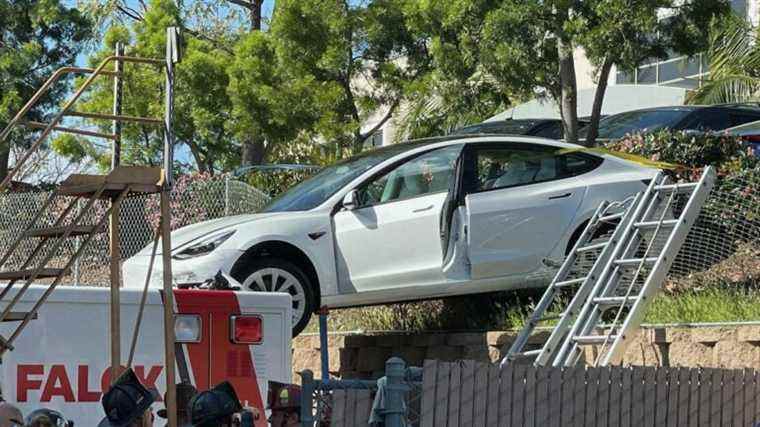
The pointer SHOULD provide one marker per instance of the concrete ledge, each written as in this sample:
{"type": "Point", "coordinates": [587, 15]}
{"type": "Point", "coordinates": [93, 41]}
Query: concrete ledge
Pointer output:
{"type": "Point", "coordinates": [363, 355]}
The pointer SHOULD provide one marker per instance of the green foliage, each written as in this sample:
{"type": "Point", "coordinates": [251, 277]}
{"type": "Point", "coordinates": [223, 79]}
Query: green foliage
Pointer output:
{"type": "Point", "coordinates": [734, 64]}
{"type": "Point", "coordinates": [36, 37]}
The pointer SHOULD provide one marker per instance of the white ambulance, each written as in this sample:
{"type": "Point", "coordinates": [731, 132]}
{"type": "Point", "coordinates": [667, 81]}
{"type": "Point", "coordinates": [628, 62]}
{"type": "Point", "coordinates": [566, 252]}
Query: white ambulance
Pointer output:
{"type": "Point", "coordinates": [61, 359]}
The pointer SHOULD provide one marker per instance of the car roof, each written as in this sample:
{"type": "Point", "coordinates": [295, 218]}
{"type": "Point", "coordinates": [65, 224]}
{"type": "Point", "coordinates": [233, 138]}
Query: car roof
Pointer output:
{"type": "Point", "coordinates": [491, 137]}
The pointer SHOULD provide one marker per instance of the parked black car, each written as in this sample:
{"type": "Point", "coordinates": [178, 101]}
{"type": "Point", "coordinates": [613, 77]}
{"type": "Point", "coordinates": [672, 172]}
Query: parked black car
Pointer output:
{"type": "Point", "coordinates": [693, 117]}
{"type": "Point", "coordinates": [544, 128]}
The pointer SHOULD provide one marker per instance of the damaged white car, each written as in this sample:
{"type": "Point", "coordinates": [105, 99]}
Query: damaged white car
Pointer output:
{"type": "Point", "coordinates": [423, 219]}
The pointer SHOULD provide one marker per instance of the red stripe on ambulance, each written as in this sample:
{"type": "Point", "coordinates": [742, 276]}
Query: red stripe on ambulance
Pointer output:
{"type": "Point", "coordinates": [228, 361]}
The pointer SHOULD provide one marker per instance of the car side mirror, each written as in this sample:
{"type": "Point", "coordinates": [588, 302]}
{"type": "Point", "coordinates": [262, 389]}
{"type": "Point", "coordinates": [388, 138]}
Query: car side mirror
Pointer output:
{"type": "Point", "coordinates": [351, 200]}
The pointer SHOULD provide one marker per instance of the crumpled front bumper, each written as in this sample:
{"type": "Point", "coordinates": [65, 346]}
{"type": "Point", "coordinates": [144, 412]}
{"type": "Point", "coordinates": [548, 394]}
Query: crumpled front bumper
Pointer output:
{"type": "Point", "coordinates": [188, 271]}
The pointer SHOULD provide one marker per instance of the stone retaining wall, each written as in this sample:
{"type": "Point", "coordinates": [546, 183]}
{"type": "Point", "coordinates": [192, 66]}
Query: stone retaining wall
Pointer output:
{"type": "Point", "coordinates": [363, 355]}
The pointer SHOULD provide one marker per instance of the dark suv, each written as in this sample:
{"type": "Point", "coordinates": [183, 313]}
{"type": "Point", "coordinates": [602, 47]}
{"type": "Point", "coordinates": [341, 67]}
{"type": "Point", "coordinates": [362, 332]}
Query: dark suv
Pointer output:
{"type": "Point", "coordinates": [544, 128]}
{"type": "Point", "coordinates": [691, 117]}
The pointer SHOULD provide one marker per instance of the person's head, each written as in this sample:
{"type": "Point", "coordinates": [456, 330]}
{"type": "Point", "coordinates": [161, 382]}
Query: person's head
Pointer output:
{"type": "Point", "coordinates": [127, 402]}
{"type": "Point", "coordinates": [185, 393]}
{"type": "Point", "coordinates": [10, 416]}
{"type": "Point", "coordinates": [46, 418]}
{"type": "Point", "coordinates": [215, 407]}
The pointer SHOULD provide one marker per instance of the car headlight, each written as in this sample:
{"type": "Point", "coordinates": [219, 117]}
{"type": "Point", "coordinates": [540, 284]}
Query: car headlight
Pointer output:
{"type": "Point", "coordinates": [204, 246]}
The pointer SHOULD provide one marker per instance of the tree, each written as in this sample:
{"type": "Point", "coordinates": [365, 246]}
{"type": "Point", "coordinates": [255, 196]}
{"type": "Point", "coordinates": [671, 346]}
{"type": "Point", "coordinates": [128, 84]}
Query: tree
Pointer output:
{"type": "Point", "coordinates": [36, 38]}
{"type": "Point", "coordinates": [359, 57]}
{"type": "Point", "coordinates": [526, 47]}
{"type": "Point", "coordinates": [202, 107]}
{"type": "Point", "coordinates": [734, 64]}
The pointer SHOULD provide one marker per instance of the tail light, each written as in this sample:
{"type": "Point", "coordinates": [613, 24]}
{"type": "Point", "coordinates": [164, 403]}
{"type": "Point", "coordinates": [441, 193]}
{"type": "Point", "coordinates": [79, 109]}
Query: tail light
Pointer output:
{"type": "Point", "coordinates": [187, 328]}
{"type": "Point", "coordinates": [246, 329]}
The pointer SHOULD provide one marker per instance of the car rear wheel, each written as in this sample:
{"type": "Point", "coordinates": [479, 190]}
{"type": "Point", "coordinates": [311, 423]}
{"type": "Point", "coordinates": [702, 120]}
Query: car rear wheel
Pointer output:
{"type": "Point", "coordinates": [277, 275]}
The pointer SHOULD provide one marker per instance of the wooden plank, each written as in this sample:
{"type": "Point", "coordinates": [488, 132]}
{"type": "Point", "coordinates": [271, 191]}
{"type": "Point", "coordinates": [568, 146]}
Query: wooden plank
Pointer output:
{"type": "Point", "coordinates": [726, 394]}
{"type": "Point", "coordinates": [468, 391]}
{"type": "Point", "coordinates": [661, 399]}
{"type": "Point", "coordinates": [442, 393]}
{"type": "Point", "coordinates": [518, 395]}
{"type": "Point", "coordinates": [684, 396]}
{"type": "Point", "coordinates": [542, 395]}
{"type": "Point", "coordinates": [338, 413]}
{"type": "Point", "coordinates": [603, 397]}
{"type": "Point", "coordinates": [554, 418]}
{"type": "Point", "coordinates": [350, 415]}
{"type": "Point", "coordinates": [626, 396]}
{"type": "Point", "coordinates": [493, 395]}
{"type": "Point", "coordinates": [580, 389]}
{"type": "Point", "coordinates": [637, 396]}
{"type": "Point", "coordinates": [750, 393]}
{"type": "Point", "coordinates": [429, 378]}
{"type": "Point", "coordinates": [568, 395]}
{"type": "Point", "coordinates": [592, 395]}
{"type": "Point", "coordinates": [650, 396]}
{"type": "Point", "coordinates": [695, 384]}
{"type": "Point", "coordinates": [676, 392]}
{"type": "Point", "coordinates": [530, 397]}
{"type": "Point", "coordinates": [716, 397]}
{"type": "Point", "coordinates": [705, 384]}
{"type": "Point", "coordinates": [480, 405]}
{"type": "Point", "coordinates": [613, 409]}
{"type": "Point", "coordinates": [505, 391]}
{"type": "Point", "coordinates": [737, 400]}
{"type": "Point", "coordinates": [363, 407]}
{"type": "Point", "coordinates": [455, 393]}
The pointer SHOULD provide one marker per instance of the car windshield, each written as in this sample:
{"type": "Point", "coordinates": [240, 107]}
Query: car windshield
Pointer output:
{"type": "Point", "coordinates": [315, 190]}
{"type": "Point", "coordinates": [620, 125]}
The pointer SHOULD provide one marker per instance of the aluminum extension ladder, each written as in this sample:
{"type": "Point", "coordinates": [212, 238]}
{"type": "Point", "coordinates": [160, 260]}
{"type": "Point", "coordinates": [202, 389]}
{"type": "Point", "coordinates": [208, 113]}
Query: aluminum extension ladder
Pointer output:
{"type": "Point", "coordinates": [612, 297]}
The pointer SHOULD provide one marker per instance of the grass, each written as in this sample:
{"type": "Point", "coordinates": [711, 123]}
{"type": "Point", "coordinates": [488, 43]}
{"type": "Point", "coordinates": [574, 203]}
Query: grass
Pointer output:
{"type": "Point", "coordinates": [708, 305]}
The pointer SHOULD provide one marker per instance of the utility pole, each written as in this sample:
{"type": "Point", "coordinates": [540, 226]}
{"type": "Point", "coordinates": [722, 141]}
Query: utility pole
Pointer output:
{"type": "Point", "coordinates": [114, 238]}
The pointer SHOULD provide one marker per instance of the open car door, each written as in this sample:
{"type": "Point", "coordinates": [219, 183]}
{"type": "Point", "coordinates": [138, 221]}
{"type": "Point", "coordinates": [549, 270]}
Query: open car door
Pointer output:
{"type": "Point", "coordinates": [453, 227]}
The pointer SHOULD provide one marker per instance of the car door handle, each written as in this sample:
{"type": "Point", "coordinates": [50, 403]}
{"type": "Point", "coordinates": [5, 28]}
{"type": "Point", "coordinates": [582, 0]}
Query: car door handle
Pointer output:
{"type": "Point", "coordinates": [426, 208]}
{"type": "Point", "coordinates": [560, 196]}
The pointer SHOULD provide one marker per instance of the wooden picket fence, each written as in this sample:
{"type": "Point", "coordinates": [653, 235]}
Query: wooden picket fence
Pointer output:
{"type": "Point", "coordinates": [469, 393]}
{"type": "Point", "coordinates": [350, 407]}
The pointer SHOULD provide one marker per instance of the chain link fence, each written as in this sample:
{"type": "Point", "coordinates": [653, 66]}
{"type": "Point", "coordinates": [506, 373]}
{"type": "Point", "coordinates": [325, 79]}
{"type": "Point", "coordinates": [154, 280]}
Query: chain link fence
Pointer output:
{"type": "Point", "coordinates": [725, 239]}
{"type": "Point", "coordinates": [193, 199]}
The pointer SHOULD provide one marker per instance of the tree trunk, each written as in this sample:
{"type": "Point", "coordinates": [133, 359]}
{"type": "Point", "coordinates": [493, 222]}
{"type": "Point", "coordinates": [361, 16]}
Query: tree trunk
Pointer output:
{"type": "Point", "coordinates": [596, 109]}
{"type": "Point", "coordinates": [569, 99]}
{"type": "Point", "coordinates": [253, 150]}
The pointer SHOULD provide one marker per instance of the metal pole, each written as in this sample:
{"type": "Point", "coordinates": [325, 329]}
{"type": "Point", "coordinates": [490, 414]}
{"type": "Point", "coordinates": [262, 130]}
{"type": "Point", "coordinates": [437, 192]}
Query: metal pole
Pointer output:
{"type": "Point", "coordinates": [307, 396]}
{"type": "Point", "coordinates": [169, 338]}
{"type": "Point", "coordinates": [226, 195]}
{"type": "Point", "coordinates": [394, 392]}
{"type": "Point", "coordinates": [118, 86]}
{"type": "Point", "coordinates": [323, 349]}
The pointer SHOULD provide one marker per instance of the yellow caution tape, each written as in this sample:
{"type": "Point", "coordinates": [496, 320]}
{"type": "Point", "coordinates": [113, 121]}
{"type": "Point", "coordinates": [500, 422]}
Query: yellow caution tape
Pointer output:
{"type": "Point", "coordinates": [627, 156]}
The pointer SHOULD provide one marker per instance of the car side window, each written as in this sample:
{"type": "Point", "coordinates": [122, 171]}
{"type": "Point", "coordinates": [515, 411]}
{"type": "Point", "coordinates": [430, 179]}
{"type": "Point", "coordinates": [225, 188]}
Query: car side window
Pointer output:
{"type": "Point", "coordinates": [709, 119]}
{"type": "Point", "coordinates": [511, 166]}
{"type": "Point", "coordinates": [428, 173]}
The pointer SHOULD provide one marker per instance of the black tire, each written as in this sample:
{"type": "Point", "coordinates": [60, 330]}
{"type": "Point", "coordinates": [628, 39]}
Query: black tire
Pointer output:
{"type": "Point", "coordinates": [284, 272]}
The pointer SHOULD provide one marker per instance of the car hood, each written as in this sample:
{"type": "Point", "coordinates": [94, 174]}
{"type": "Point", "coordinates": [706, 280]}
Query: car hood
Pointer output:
{"type": "Point", "coordinates": [189, 233]}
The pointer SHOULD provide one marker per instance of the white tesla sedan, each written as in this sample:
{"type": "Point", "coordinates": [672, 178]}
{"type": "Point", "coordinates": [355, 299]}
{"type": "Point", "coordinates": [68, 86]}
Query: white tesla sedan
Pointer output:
{"type": "Point", "coordinates": [423, 219]}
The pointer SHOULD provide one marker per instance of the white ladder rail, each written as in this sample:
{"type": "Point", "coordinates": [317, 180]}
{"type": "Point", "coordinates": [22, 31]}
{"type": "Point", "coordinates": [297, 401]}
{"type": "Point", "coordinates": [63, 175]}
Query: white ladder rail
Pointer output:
{"type": "Point", "coordinates": [655, 279]}
{"type": "Point", "coordinates": [609, 274]}
{"type": "Point", "coordinates": [576, 303]}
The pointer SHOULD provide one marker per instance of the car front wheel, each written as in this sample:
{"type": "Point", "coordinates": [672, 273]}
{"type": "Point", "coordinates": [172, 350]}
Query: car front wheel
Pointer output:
{"type": "Point", "coordinates": [278, 275]}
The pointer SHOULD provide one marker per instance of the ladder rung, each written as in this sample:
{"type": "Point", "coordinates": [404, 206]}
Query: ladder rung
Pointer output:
{"type": "Point", "coordinates": [613, 301]}
{"type": "Point", "coordinates": [567, 283]}
{"type": "Point", "coordinates": [79, 230]}
{"type": "Point", "coordinates": [44, 273]}
{"type": "Point", "coordinates": [529, 353]}
{"type": "Point", "coordinates": [628, 262]}
{"type": "Point", "coordinates": [595, 246]}
{"type": "Point", "coordinates": [653, 224]}
{"type": "Point", "coordinates": [676, 187]}
{"type": "Point", "coordinates": [17, 316]}
{"type": "Point", "coordinates": [594, 339]}
{"type": "Point", "coordinates": [611, 217]}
